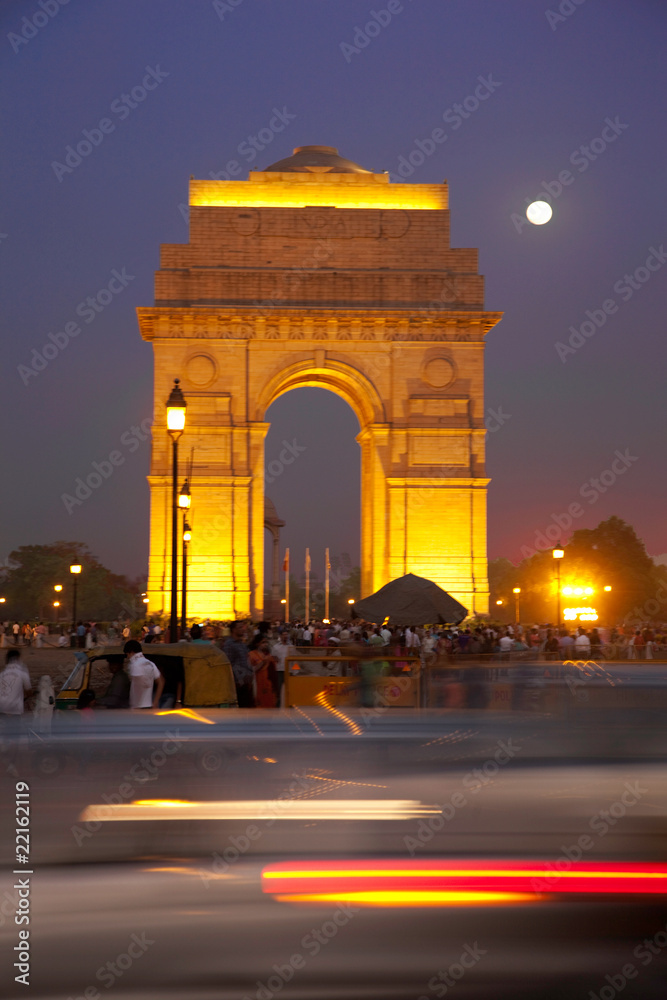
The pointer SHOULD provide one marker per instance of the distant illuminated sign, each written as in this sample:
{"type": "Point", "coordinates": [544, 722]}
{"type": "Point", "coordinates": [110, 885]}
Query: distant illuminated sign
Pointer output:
{"type": "Point", "coordinates": [580, 614]}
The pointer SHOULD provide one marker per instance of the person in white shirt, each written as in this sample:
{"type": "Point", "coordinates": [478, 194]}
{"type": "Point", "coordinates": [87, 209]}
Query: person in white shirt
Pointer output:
{"type": "Point", "coordinates": [386, 635]}
{"type": "Point", "coordinates": [14, 684]}
{"type": "Point", "coordinates": [143, 674]}
{"type": "Point", "coordinates": [582, 643]}
{"type": "Point", "coordinates": [45, 701]}
{"type": "Point", "coordinates": [412, 640]}
{"type": "Point", "coordinates": [281, 650]}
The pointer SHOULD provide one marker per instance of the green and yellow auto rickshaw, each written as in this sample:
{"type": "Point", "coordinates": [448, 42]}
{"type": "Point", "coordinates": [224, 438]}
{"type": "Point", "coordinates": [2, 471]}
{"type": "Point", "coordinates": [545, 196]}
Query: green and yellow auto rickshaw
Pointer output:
{"type": "Point", "coordinates": [207, 673]}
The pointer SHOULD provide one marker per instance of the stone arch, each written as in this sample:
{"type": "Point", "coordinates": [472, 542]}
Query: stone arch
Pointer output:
{"type": "Point", "coordinates": [344, 380]}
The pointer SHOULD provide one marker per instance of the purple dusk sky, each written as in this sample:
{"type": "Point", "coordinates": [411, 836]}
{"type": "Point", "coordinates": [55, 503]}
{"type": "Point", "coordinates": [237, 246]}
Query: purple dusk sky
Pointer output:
{"type": "Point", "coordinates": [579, 92]}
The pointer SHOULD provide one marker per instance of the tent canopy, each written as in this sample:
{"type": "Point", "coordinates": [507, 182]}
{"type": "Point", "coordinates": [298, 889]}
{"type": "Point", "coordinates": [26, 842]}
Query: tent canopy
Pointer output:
{"type": "Point", "coordinates": [410, 600]}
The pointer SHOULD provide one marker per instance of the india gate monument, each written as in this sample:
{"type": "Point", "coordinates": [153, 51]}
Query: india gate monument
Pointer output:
{"type": "Point", "coordinates": [318, 272]}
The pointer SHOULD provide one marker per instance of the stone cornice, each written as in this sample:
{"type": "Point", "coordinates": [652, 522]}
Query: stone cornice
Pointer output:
{"type": "Point", "coordinates": [323, 324]}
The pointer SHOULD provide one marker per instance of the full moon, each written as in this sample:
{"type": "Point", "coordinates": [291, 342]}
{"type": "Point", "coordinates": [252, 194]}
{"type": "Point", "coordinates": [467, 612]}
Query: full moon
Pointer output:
{"type": "Point", "coordinates": [539, 212]}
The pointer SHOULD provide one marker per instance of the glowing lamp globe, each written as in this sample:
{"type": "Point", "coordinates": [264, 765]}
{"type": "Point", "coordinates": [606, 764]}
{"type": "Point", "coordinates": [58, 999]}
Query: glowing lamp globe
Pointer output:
{"type": "Point", "coordinates": [539, 212]}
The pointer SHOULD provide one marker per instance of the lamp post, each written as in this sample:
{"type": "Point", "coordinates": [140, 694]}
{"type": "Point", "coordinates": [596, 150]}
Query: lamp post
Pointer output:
{"type": "Point", "coordinates": [558, 554]}
{"type": "Point", "coordinates": [187, 535]}
{"type": "Point", "coordinates": [74, 570]}
{"type": "Point", "coordinates": [517, 592]}
{"type": "Point", "coordinates": [184, 501]}
{"type": "Point", "coordinates": [175, 426]}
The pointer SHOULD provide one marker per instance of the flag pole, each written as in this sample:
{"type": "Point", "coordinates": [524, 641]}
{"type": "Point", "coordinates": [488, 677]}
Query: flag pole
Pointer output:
{"type": "Point", "coordinates": [327, 567]}
{"type": "Point", "coordinates": [307, 586]}
{"type": "Point", "coordinates": [286, 568]}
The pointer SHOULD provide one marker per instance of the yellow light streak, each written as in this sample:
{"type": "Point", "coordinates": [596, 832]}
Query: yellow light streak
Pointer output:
{"type": "Point", "coordinates": [415, 898]}
{"type": "Point", "coordinates": [259, 809]}
{"type": "Point", "coordinates": [343, 781]}
{"type": "Point", "coordinates": [350, 723]}
{"type": "Point", "coordinates": [187, 713]}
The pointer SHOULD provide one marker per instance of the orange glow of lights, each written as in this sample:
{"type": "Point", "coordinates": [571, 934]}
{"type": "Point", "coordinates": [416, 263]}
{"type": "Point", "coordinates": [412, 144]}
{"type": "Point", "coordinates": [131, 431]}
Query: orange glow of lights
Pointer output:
{"type": "Point", "coordinates": [398, 898]}
{"type": "Point", "coordinates": [301, 191]}
{"type": "Point", "coordinates": [461, 876]}
{"type": "Point", "coordinates": [188, 713]}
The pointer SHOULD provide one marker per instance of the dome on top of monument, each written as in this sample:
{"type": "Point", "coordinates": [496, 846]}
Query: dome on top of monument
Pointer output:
{"type": "Point", "coordinates": [316, 160]}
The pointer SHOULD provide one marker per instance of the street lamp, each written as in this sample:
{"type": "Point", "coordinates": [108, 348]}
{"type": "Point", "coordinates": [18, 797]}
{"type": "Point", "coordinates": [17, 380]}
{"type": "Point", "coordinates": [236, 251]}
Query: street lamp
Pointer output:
{"type": "Point", "coordinates": [558, 554]}
{"type": "Point", "coordinates": [175, 425]}
{"type": "Point", "coordinates": [184, 502]}
{"type": "Point", "coordinates": [607, 589]}
{"type": "Point", "coordinates": [74, 570]}
{"type": "Point", "coordinates": [350, 600]}
{"type": "Point", "coordinates": [516, 591]}
{"type": "Point", "coordinates": [58, 587]}
{"type": "Point", "coordinates": [499, 602]}
{"type": "Point", "coordinates": [187, 535]}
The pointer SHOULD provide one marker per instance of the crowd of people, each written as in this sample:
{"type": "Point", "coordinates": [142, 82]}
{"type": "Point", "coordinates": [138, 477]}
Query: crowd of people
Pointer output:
{"type": "Point", "coordinates": [258, 653]}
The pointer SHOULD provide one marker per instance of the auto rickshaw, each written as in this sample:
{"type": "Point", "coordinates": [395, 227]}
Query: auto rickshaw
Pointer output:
{"type": "Point", "coordinates": [208, 677]}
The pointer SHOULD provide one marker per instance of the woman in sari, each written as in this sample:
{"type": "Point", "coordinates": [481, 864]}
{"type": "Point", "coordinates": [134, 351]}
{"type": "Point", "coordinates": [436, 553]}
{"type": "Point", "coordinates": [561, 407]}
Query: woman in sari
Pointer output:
{"type": "Point", "coordinates": [264, 665]}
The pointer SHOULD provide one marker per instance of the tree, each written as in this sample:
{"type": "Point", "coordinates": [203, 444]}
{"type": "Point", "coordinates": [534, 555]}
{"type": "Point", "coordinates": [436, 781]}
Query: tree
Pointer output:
{"type": "Point", "coordinates": [609, 555]}
{"type": "Point", "coordinates": [33, 571]}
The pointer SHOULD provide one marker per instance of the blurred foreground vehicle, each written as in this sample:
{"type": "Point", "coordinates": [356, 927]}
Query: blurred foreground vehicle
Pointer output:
{"type": "Point", "coordinates": [342, 852]}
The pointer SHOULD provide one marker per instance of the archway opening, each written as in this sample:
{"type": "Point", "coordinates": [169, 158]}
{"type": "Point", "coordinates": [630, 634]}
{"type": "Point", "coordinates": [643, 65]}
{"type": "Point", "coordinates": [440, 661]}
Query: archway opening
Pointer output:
{"type": "Point", "coordinates": [313, 476]}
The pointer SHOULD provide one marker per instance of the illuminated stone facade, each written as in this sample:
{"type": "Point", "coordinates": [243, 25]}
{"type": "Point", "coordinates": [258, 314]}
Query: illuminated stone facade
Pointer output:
{"type": "Point", "coordinates": [318, 273]}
